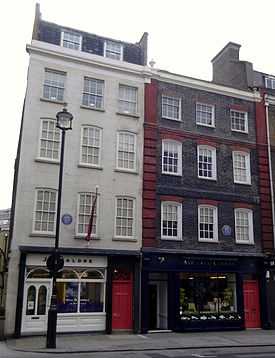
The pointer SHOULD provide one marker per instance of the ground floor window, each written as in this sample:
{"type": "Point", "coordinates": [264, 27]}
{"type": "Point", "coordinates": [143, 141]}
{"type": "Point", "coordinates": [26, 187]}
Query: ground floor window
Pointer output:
{"type": "Point", "coordinates": [207, 294]}
{"type": "Point", "coordinates": [81, 291]}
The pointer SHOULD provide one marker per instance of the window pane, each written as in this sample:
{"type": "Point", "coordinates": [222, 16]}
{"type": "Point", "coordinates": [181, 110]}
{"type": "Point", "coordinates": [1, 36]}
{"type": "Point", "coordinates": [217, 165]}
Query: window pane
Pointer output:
{"type": "Point", "coordinates": [45, 211]}
{"type": "Point", "coordinates": [127, 99]}
{"type": "Point", "coordinates": [238, 121]}
{"type": "Point", "coordinates": [49, 140]}
{"type": "Point", "coordinates": [67, 296]}
{"type": "Point", "coordinates": [209, 294]}
{"type": "Point", "coordinates": [42, 300]}
{"type": "Point", "coordinates": [171, 107]}
{"type": "Point", "coordinates": [204, 114]}
{"type": "Point", "coordinates": [126, 151]}
{"type": "Point", "coordinates": [86, 201]}
{"type": "Point", "coordinates": [124, 217]}
{"type": "Point", "coordinates": [54, 84]}
{"type": "Point", "coordinates": [91, 297]}
{"type": "Point", "coordinates": [31, 296]}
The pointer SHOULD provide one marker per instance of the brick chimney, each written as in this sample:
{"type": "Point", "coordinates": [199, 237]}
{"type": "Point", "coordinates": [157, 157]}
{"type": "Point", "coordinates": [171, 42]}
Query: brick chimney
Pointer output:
{"type": "Point", "coordinates": [228, 70]}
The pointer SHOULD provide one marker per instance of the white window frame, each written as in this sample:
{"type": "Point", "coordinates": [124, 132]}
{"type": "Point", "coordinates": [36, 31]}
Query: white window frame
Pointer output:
{"type": "Point", "coordinates": [212, 125]}
{"type": "Point", "coordinates": [80, 234]}
{"type": "Point", "coordinates": [214, 162]}
{"type": "Point", "coordinates": [272, 82]}
{"type": "Point", "coordinates": [50, 159]}
{"type": "Point", "coordinates": [179, 152]}
{"type": "Point", "coordinates": [121, 237]}
{"type": "Point", "coordinates": [74, 34]}
{"type": "Point", "coordinates": [100, 147]}
{"type": "Point", "coordinates": [249, 212]}
{"type": "Point", "coordinates": [124, 100]}
{"type": "Point", "coordinates": [247, 167]}
{"type": "Point", "coordinates": [35, 210]}
{"type": "Point", "coordinates": [245, 121]}
{"type": "Point", "coordinates": [135, 151]}
{"type": "Point", "coordinates": [179, 221]}
{"type": "Point", "coordinates": [62, 88]}
{"type": "Point", "coordinates": [93, 94]}
{"type": "Point", "coordinates": [106, 50]}
{"type": "Point", "coordinates": [179, 108]}
{"type": "Point", "coordinates": [215, 223]}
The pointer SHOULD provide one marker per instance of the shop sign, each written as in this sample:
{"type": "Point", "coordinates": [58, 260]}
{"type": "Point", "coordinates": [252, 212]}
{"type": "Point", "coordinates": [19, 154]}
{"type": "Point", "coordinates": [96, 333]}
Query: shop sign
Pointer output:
{"type": "Point", "coordinates": [226, 230]}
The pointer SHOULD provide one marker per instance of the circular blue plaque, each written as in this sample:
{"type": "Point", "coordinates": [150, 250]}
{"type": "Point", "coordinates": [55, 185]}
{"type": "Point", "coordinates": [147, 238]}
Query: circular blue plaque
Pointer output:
{"type": "Point", "coordinates": [226, 230]}
{"type": "Point", "coordinates": [67, 219]}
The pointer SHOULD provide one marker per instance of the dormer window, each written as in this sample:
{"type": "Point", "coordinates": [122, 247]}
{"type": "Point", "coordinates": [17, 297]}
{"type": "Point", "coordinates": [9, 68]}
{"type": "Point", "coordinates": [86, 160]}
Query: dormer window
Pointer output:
{"type": "Point", "coordinates": [71, 40]}
{"type": "Point", "coordinates": [113, 50]}
{"type": "Point", "coordinates": [270, 82]}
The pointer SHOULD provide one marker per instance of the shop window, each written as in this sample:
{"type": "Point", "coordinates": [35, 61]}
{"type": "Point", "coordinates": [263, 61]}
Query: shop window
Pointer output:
{"type": "Point", "coordinates": [67, 293]}
{"type": "Point", "coordinates": [79, 292]}
{"type": "Point", "coordinates": [91, 297]}
{"type": "Point", "coordinates": [207, 296]}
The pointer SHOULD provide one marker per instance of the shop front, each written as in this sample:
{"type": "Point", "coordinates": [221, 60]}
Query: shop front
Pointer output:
{"type": "Point", "coordinates": [80, 294]}
{"type": "Point", "coordinates": [192, 292]}
{"type": "Point", "coordinates": [97, 292]}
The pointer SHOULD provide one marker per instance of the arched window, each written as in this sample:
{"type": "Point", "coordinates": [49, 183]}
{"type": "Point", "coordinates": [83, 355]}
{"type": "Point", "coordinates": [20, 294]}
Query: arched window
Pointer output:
{"type": "Point", "coordinates": [42, 300]}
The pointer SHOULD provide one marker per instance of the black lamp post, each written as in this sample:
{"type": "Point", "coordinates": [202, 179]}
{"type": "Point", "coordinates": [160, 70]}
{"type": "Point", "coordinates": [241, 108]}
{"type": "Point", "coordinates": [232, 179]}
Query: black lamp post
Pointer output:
{"type": "Point", "coordinates": [55, 261]}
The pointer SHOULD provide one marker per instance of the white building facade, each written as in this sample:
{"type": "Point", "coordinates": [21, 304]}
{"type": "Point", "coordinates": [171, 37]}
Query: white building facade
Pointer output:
{"type": "Point", "coordinates": [98, 289]}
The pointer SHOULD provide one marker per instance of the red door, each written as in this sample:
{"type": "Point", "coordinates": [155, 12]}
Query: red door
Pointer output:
{"type": "Point", "coordinates": [251, 304]}
{"type": "Point", "coordinates": [122, 291]}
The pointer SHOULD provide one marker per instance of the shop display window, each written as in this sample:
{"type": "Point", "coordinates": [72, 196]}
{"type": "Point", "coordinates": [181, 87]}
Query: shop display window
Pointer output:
{"type": "Point", "coordinates": [81, 291]}
{"type": "Point", "coordinates": [207, 295]}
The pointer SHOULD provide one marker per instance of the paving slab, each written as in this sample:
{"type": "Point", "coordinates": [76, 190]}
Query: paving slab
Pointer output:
{"type": "Point", "coordinates": [81, 343]}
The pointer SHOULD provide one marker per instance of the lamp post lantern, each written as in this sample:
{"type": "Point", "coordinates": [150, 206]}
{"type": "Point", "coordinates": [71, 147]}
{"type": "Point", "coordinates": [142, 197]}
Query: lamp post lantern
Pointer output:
{"type": "Point", "coordinates": [55, 261]}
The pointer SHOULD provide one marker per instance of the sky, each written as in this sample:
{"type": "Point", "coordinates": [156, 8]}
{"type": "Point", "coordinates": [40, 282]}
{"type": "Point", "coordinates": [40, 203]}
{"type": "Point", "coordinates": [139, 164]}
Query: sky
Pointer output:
{"type": "Point", "coordinates": [184, 35]}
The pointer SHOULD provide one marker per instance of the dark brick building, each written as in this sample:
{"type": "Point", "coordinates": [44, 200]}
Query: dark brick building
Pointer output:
{"type": "Point", "coordinates": [203, 263]}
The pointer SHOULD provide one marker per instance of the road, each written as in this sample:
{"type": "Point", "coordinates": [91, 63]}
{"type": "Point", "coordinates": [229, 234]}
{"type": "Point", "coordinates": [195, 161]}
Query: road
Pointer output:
{"type": "Point", "coordinates": [258, 352]}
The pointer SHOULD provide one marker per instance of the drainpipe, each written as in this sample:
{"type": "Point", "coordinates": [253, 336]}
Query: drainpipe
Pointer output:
{"type": "Point", "coordinates": [266, 103]}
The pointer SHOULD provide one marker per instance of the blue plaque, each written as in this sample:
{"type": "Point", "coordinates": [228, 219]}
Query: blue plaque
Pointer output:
{"type": "Point", "coordinates": [226, 230]}
{"type": "Point", "coordinates": [67, 219]}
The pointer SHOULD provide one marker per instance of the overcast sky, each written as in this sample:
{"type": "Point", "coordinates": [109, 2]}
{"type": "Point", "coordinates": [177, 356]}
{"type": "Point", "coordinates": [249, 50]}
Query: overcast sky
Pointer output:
{"type": "Point", "coordinates": [183, 37]}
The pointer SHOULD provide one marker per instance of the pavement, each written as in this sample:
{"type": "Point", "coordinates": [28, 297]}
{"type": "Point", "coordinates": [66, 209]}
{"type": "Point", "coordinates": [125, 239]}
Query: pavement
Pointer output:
{"type": "Point", "coordinates": [118, 342]}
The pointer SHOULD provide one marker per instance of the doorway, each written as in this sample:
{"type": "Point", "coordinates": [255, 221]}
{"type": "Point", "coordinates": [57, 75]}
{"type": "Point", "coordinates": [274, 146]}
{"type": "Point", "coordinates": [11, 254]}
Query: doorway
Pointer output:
{"type": "Point", "coordinates": [251, 304]}
{"type": "Point", "coordinates": [158, 305]}
{"type": "Point", "coordinates": [35, 306]}
{"type": "Point", "coordinates": [122, 293]}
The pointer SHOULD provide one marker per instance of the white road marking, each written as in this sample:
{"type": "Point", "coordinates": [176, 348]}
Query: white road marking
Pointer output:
{"type": "Point", "coordinates": [203, 356]}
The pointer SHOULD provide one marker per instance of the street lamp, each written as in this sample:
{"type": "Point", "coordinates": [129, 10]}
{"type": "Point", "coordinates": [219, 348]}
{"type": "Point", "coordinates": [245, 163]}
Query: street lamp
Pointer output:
{"type": "Point", "coordinates": [55, 261]}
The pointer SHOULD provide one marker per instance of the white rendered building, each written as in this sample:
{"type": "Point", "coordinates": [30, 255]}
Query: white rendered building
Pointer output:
{"type": "Point", "coordinates": [102, 82]}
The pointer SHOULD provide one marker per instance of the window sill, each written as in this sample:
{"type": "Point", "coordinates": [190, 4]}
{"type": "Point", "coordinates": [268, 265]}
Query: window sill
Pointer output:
{"type": "Point", "coordinates": [133, 115]}
{"type": "Point", "coordinates": [126, 171]}
{"type": "Point", "coordinates": [237, 131]}
{"type": "Point", "coordinates": [242, 183]}
{"type": "Point", "coordinates": [245, 242]}
{"type": "Point", "coordinates": [88, 166]}
{"type": "Point", "coordinates": [127, 239]}
{"type": "Point", "coordinates": [47, 161]}
{"type": "Point", "coordinates": [213, 241]}
{"type": "Point", "coordinates": [205, 125]}
{"type": "Point", "coordinates": [172, 119]}
{"type": "Point", "coordinates": [204, 178]}
{"type": "Point", "coordinates": [171, 238]}
{"type": "Point", "coordinates": [52, 101]}
{"type": "Point", "coordinates": [92, 108]}
{"type": "Point", "coordinates": [40, 234]}
{"type": "Point", "coordinates": [172, 174]}
{"type": "Point", "coordinates": [83, 237]}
